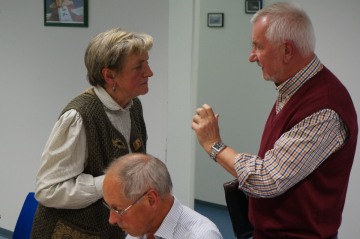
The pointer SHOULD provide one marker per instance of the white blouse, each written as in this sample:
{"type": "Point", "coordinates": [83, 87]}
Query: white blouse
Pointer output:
{"type": "Point", "coordinates": [60, 182]}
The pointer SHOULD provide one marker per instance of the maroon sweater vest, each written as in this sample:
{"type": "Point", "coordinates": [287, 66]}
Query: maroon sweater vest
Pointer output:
{"type": "Point", "coordinates": [312, 208]}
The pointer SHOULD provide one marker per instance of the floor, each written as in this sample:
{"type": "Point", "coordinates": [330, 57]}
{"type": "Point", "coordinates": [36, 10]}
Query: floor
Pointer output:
{"type": "Point", "coordinates": [218, 215]}
{"type": "Point", "coordinates": [5, 234]}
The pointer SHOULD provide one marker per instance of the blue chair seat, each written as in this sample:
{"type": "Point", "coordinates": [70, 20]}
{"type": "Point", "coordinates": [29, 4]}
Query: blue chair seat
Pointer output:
{"type": "Point", "coordinates": [25, 220]}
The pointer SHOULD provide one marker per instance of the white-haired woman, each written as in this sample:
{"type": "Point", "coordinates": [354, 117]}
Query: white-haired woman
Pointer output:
{"type": "Point", "coordinates": [102, 123]}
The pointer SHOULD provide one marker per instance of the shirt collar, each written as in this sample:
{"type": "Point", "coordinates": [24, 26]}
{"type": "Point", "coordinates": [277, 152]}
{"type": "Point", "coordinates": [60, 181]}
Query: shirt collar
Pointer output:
{"type": "Point", "coordinates": [109, 102]}
{"type": "Point", "coordinates": [290, 86]}
{"type": "Point", "coordinates": [167, 228]}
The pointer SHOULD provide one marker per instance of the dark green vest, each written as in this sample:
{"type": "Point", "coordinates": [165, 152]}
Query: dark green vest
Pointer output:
{"type": "Point", "coordinates": [104, 144]}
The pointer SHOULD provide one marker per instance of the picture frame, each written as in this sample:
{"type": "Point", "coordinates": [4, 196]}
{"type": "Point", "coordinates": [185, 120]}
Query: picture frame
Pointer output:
{"type": "Point", "coordinates": [252, 6]}
{"type": "Point", "coordinates": [66, 13]}
{"type": "Point", "coordinates": [215, 20]}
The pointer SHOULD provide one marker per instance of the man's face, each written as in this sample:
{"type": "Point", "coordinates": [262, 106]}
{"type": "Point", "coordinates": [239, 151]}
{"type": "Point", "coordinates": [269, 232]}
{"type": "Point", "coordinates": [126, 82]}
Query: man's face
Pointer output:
{"type": "Point", "coordinates": [265, 54]}
{"type": "Point", "coordinates": [136, 220]}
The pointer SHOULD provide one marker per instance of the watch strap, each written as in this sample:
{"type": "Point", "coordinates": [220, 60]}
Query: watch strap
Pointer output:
{"type": "Point", "coordinates": [215, 149]}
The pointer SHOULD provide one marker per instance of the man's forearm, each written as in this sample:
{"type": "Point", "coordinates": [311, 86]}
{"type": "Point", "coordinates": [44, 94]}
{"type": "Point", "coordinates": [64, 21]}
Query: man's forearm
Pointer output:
{"type": "Point", "coordinates": [226, 159]}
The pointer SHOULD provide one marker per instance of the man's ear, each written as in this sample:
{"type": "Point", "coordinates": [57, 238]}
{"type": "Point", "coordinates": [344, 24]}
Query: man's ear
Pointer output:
{"type": "Point", "coordinates": [153, 198]}
{"type": "Point", "coordinates": [109, 76]}
{"type": "Point", "coordinates": [289, 51]}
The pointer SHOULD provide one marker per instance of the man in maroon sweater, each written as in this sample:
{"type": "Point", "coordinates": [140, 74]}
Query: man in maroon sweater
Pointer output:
{"type": "Point", "coordinates": [298, 181]}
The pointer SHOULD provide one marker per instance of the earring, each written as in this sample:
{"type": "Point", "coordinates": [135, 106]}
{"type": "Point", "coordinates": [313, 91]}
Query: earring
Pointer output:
{"type": "Point", "coordinates": [114, 88]}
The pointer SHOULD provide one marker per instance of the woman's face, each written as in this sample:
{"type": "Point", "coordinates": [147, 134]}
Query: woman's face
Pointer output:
{"type": "Point", "coordinates": [133, 80]}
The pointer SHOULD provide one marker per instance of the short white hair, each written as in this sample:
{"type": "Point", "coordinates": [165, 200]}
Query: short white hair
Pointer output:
{"type": "Point", "coordinates": [288, 21]}
{"type": "Point", "coordinates": [137, 173]}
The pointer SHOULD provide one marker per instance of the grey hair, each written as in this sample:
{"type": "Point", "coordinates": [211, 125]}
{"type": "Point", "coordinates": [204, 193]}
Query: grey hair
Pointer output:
{"type": "Point", "coordinates": [137, 173]}
{"type": "Point", "coordinates": [288, 21]}
{"type": "Point", "coordinates": [110, 49]}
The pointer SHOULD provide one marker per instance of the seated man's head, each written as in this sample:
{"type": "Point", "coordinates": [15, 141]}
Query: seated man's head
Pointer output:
{"type": "Point", "coordinates": [137, 189]}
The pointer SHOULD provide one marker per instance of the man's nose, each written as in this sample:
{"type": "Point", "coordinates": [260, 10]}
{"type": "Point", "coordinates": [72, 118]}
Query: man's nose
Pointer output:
{"type": "Point", "coordinates": [114, 217]}
{"type": "Point", "coordinates": [252, 57]}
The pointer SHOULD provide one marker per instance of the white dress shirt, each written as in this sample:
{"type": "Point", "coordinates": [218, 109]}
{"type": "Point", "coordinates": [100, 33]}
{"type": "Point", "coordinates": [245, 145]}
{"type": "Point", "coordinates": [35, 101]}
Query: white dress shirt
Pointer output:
{"type": "Point", "coordinates": [60, 182]}
{"type": "Point", "coordinates": [184, 223]}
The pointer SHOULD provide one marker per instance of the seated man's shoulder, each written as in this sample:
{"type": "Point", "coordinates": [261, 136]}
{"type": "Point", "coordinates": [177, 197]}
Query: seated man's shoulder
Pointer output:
{"type": "Point", "coordinates": [197, 226]}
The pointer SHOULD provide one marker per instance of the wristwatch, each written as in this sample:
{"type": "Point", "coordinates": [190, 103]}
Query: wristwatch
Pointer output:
{"type": "Point", "coordinates": [215, 149]}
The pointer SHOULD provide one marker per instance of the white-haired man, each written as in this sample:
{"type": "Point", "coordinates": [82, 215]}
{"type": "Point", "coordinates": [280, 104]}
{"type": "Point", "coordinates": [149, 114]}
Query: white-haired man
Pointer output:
{"type": "Point", "coordinates": [137, 190]}
{"type": "Point", "coordinates": [298, 181]}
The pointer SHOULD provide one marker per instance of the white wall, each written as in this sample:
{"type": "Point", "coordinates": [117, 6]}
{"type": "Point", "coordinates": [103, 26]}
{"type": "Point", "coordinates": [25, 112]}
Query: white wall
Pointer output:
{"type": "Point", "coordinates": [42, 69]}
{"type": "Point", "coordinates": [236, 90]}
{"type": "Point", "coordinates": [180, 158]}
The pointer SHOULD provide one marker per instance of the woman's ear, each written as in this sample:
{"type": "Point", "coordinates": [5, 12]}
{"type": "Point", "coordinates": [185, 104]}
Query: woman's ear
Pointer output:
{"type": "Point", "coordinates": [109, 76]}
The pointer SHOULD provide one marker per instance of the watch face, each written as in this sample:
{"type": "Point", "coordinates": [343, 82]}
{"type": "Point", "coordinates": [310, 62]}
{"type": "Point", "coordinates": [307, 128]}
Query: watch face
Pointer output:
{"type": "Point", "coordinates": [215, 149]}
{"type": "Point", "coordinates": [217, 146]}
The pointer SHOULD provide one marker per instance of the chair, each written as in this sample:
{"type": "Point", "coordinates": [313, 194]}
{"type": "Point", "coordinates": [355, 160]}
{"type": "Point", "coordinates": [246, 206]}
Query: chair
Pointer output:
{"type": "Point", "coordinates": [26, 218]}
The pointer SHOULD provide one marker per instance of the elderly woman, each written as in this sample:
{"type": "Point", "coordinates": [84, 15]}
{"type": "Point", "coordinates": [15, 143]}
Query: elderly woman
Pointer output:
{"type": "Point", "coordinates": [102, 123]}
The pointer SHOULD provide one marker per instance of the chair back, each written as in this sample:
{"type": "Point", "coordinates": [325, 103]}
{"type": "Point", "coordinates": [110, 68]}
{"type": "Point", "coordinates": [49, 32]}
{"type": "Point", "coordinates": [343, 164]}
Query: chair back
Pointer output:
{"type": "Point", "coordinates": [25, 220]}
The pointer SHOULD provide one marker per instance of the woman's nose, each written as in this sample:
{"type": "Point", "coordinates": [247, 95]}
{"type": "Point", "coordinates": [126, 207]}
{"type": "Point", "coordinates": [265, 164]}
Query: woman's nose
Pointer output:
{"type": "Point", "coordinates": [148, 72]}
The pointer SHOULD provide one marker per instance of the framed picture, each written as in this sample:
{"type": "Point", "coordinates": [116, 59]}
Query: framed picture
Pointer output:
{"type": "Point", "coordinates": [66, 13]}
{"type": "Point", "coordinates": [252, 6]}
{"type": "Point", "coordinates": [215, 19]}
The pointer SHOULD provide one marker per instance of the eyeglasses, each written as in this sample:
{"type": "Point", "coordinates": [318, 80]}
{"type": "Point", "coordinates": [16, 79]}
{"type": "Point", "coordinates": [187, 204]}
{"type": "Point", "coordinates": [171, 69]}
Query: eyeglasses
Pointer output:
{"type": "Point", "coordinates": [121, 213]}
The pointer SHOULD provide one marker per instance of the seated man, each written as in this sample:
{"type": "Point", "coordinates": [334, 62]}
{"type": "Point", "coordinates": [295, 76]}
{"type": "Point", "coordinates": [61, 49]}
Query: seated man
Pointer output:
{"type": "Point", "coordinates": [137, 190]}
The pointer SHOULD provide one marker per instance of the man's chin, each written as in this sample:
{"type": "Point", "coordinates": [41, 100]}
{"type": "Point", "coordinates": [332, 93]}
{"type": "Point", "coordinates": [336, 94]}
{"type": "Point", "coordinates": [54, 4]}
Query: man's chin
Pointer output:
{"type": "Point", "coordinates": [267, 78]}
{"type": "Point", "coordinates": [131, 233]}
{"type": "Point", "coordinates": [124, 229]}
